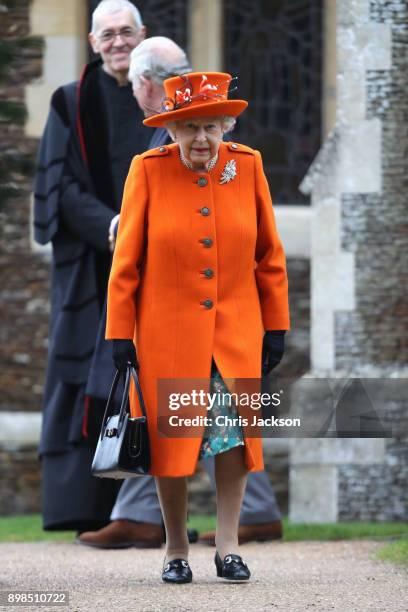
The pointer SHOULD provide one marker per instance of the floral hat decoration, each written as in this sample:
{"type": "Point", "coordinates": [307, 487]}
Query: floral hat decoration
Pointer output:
{"type": "Point", "coordinates": [197, 94]}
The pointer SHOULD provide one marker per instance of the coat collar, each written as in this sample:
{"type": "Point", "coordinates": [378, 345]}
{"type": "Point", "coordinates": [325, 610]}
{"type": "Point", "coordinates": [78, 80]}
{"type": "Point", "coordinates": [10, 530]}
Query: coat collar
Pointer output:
{"type": "Point", "coordinates": [92, 126]}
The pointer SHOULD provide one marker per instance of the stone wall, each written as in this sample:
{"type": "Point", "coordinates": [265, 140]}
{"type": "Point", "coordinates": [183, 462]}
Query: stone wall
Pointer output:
{"type": "Point", "coordinates": [19, 481]}
{"type": "Point", "coordinates": [359, 251]}
{"type": "Point", "coordinates": [376, 230]}
{"type": "Point", "coordinates": [376, 492]}
{"type": "Point", "coordinates": [296, 360]}
{"type": "Point", "coordinates": [24, 287]}
{"type": "Point", "coordinates": [375, 225]}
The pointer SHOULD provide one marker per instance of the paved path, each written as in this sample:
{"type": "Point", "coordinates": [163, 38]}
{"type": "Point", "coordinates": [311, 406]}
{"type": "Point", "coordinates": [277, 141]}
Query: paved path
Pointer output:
{"type": "Point", "coordinates": [295, 576]}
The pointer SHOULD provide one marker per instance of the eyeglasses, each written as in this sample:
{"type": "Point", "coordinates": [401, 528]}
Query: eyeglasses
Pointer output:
{"type": "Point", "coordinates": [126, 34]}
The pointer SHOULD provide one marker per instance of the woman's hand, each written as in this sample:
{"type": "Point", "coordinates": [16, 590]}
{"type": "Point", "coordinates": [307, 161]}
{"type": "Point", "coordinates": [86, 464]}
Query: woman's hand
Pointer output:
{"type": "Point", "coordinates": [272, 349]}
{"type": "Point", "coordinates": [124, 352]}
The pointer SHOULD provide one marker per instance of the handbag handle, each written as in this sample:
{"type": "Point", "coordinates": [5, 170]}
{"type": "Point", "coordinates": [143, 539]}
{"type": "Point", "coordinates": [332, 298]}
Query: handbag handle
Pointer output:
{"type": "Point", "coordinates": [109, 405]}
{"type": "Point", "coordinates": [130, 371]}
{"type": "Point", "coordinates": [135, 377]}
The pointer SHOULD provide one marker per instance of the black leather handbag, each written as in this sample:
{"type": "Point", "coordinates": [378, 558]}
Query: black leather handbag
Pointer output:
{"type": "Point", "coordinates": [123, 449]}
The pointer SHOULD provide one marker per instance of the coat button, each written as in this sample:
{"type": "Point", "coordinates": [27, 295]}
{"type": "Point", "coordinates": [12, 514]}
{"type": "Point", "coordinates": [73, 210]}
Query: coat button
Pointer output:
{"type": "Point", "coordinates": [208, 304]}
{"type": "Point", "coordinates": [208, 273]}
{"type": "Point", "coordinates": [202, 181]}
{"type": "Point", "coordinates": [162, 149]}
{"type": "Point", "coordinates": [207, 242]}
{"type": "Point", "coordinates": [234, 146]}
{"type": "Point", "coordinates": [205, 211]}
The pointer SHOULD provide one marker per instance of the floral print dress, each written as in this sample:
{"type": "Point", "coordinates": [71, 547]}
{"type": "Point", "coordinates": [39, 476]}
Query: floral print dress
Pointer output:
{"type": "Point", "coordinates": [220, 438]}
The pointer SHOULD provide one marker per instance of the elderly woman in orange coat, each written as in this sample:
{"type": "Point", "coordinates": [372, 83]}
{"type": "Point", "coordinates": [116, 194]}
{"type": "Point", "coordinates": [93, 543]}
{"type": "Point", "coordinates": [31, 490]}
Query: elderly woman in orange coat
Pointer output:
{"type": "Point", "coordinates": [198, 285]}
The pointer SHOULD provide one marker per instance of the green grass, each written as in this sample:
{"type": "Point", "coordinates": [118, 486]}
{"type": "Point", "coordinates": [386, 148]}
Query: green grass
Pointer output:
{"type": "Point", "coordinates": [396, 552]}
{"type": "Point", "coordinates": [342, 531]}
{"type": "Point", "coordinates": [202, 523]}
{"type": "Point", "coordinates": [28, 528]}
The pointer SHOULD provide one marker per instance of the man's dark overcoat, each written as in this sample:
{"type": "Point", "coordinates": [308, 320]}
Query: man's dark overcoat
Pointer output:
{"type": "Point", "coordinates": [74, 204]}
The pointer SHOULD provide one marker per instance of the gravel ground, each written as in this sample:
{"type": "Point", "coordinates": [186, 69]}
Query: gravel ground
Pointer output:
{"type": "Point", "coordinates": [294, 576]}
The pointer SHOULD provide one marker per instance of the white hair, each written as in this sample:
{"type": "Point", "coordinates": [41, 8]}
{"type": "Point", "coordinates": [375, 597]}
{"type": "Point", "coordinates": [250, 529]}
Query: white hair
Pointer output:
{"type": "Point", "coordinates": [227, 124]}
{"type": "Point", "coordinates": [107, 7]}
{"type": "Point", "coordinates": [157, 58]}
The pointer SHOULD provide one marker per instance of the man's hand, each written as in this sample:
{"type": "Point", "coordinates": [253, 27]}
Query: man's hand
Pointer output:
{"type": "Point", "coordinates": [272, 350]}
{"type": "Point", "coordinates": [113, 231]}
{"type": "Point", "coordinates": [124, 352]}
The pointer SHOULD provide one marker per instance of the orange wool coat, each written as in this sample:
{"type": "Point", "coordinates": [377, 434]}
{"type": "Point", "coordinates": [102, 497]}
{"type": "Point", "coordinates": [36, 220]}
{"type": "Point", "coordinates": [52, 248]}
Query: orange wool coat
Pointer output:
{"type": "Point", "coordinates": [160, 296]}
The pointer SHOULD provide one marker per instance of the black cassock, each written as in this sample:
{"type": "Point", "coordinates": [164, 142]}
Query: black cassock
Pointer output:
{"type": "Point", "coordinates": [94, 128]}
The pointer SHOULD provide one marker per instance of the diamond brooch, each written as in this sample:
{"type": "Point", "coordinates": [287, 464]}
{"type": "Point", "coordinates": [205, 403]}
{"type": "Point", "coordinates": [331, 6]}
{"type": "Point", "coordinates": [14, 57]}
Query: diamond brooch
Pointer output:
{"type": "Point", "coordinates": [229, 172]}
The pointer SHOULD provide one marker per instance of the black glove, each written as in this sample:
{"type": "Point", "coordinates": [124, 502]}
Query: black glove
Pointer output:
{"type": "Point", "coordinates": [124, 352]}
{"type": "Point", "coordinates": [272, 349]}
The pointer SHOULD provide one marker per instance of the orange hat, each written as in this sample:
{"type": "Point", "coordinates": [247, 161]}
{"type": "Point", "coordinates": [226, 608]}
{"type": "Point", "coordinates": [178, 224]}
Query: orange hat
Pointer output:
{"type": "Point", "coordinates": [196, 94]}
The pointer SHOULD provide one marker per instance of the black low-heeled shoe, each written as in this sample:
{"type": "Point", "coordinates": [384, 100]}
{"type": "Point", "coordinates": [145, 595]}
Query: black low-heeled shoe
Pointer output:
{"type": "Point", "coordinates": [232, 567]}
{"type": "Point", "coordinates": [177, 571]}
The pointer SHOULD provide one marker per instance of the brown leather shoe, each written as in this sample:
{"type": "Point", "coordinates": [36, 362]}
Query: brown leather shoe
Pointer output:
{"type": "Point", "coordinates": [124, 534]}
{"type": "Point", "coordinates": [262, 532]}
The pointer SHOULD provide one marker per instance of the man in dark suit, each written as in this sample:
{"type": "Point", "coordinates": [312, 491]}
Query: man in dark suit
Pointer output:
{"type": "Point", "coordinates": [136, 517]}
{"type": "Point", "coordinates": [94, 128]}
